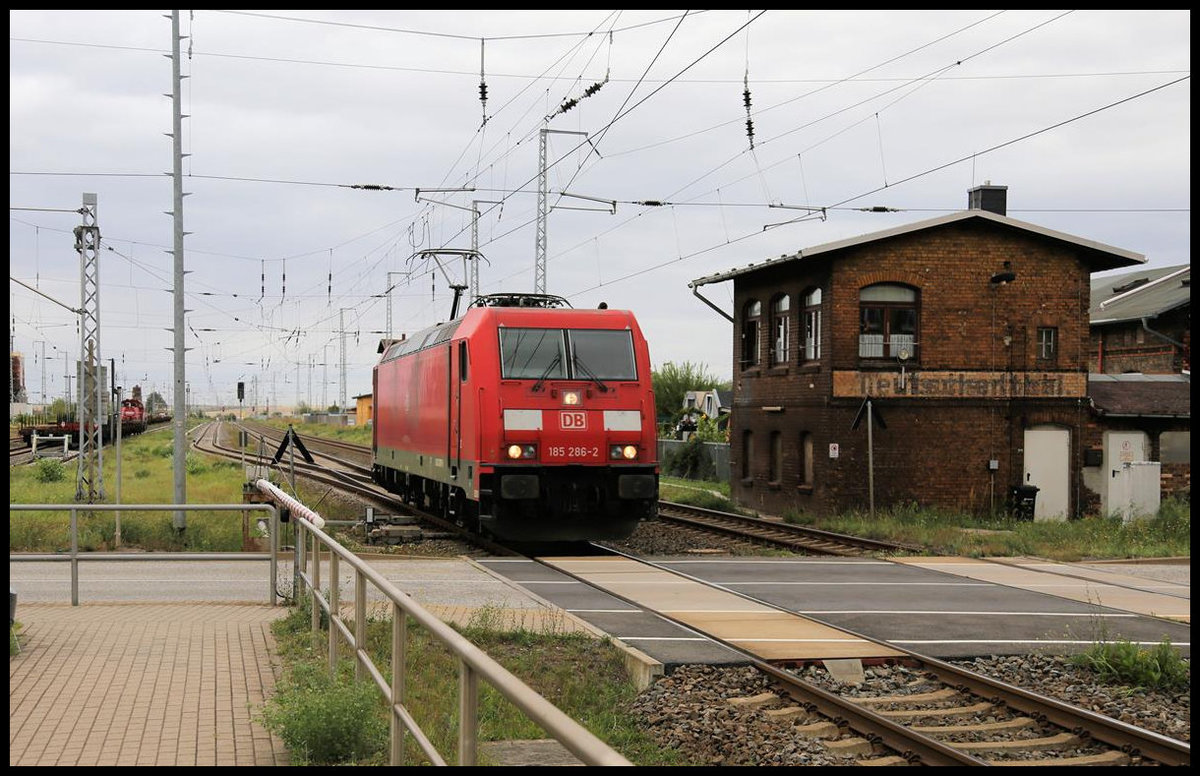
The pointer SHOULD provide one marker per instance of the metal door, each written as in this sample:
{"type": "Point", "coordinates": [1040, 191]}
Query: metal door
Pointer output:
{"type": "Point", "coordinates": [1047, 466]}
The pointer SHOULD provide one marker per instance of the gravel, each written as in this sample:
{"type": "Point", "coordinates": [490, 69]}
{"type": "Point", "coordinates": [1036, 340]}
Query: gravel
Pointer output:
{"type": "Point", "coordinates": [689, 710]}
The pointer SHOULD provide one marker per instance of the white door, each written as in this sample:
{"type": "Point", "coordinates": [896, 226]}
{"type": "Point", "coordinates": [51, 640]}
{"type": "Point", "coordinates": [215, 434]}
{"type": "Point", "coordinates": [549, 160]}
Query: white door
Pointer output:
{"type": "Point", "coordinates": [1120, 448]}
{"type": "Point", "coordinates": [1047, 465]}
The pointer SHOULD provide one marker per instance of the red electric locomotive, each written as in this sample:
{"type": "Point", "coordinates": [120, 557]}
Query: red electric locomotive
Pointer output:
{"type": "Point", "coordinates": [524, 419]}
{"type": "Point", "coordinates": [133, 416]}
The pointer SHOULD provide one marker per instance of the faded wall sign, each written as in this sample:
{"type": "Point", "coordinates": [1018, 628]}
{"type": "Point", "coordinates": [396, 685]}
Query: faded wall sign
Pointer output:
{"type": "Point", "coordinates": [961, 385]}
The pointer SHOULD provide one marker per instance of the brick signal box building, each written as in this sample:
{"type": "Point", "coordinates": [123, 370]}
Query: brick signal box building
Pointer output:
{"type": "Point", "coordinates": [965, 335]}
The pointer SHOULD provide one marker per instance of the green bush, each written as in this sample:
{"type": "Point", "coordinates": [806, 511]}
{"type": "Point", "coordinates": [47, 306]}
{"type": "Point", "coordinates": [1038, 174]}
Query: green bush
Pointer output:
{"type": "Point", "coordinates": [51, 470]}
{"type": "Point", "coordinates": [194, 465]}
{"type": "Point", "coordinates": [325, 721]}
{"type": "Point", "coordinates": [1127, 663]}
{"type": "Point", "coordinates": [691, 461]}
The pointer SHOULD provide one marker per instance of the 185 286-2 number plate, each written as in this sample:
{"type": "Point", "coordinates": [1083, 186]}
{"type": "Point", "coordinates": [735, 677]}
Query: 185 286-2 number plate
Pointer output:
{"type": "Point", "coordinates": [573, 451]}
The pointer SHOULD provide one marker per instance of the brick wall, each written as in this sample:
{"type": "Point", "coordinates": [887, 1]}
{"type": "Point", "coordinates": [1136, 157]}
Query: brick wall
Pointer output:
{"type": "Point", "coordinates": [1127, 347]}
{"type": "Point", "coordinates": [933, 451]}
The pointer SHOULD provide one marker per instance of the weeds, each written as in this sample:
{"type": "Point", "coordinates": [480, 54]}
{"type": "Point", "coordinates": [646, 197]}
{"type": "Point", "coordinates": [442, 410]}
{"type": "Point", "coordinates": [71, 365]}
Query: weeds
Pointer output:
{"type": "Point", "coordinates": [327, 720]}
{"type": "Point", "coordinates": [583, 676]}
{"type": "Point", "coordinates": [1124, 662]}
{"type": "Point", "coordinates": [50, 470]}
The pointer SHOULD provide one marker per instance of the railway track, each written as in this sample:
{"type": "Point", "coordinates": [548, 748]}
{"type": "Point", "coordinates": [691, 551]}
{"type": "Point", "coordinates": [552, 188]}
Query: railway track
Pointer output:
{"type": "Point", "coordinates": [739, 527]}
{"type": "Point", "coordinates": [359, 453]}
{"type": "Point", "coordinates": [347, 477]}
{"type": "Point", "coordinates": [939, 714]}
{"type": "Point", "coordinates": [785, 535]}
{"type": "Point", "coordinates": [919, 710]}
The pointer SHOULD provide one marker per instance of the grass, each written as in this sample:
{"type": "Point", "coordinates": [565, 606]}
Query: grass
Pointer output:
{"type": "Point", "coordinates": [326, 720]}
{"type": "Point", "coordinates": [147, 465]}
{"type": "Point", "coordinates": [357, 435]}
{"type": "Point", "coordinates": [944, 532]}
{"type": "Point", "coordinates": [1123, 662]}
{"type": "Point", "coordinates": [582, 676]}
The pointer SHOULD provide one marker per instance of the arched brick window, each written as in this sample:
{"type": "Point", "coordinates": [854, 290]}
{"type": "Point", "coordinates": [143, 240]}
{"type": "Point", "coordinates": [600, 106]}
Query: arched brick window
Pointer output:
{"type": "Point", "coordinates": [751, 325]}
{"type": "Point", "coordinates": [776, 465]}
{"type": "Point", "coordinates": [806, 459]}
{"type": "Point", "coordinates": [812, 326]}
{"type": "Point", "coordinates": [888, 318]}
{"type": "Point", "coordinates": [780, 327]}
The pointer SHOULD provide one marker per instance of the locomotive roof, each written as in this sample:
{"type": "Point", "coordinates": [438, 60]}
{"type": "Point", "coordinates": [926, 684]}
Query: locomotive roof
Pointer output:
{"type": "Point", "coordinates": [478, 318]}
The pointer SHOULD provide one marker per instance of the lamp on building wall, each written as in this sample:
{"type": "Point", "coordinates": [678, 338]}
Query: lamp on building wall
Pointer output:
{"type": "Point", "coordinates": [1005, 277]}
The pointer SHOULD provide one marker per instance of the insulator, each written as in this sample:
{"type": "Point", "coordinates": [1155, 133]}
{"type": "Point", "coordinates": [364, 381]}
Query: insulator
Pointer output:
{"type": "Point", "coordinates": [482, 91]}
{"type": "Point", "coordinates": [746, 98]}
{"type": "Point", "coordinates": [566, 106]}
{"type": "Point", "coordinates": [750, 128]}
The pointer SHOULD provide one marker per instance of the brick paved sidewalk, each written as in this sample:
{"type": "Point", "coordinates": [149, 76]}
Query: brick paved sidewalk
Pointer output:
{"type": "Point", "coordinates": [142, 684]}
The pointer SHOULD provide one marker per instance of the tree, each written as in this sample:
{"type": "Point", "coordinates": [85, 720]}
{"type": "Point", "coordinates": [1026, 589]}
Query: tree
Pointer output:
{"type": "Point", "coordinates": [59, 408]}
{"type": "Point", "coordinates": [155, 403]}
{"type": "Point", "coordinates": [673, 381]}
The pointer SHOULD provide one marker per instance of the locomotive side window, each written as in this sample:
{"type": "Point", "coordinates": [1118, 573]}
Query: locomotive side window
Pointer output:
{"type": "Point", "coordinates": [462, 361]}
{"type": "Point", "coordinates": [532, 354]}
{"type": "Point", "coordinates": [604, 354]}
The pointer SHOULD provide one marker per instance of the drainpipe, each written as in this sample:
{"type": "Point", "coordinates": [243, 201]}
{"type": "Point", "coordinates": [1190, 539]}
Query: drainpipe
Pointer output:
{"type": "Point", "coordinates": [721, 312]}
{"type": "Point", "coordinates": [1160, 335]}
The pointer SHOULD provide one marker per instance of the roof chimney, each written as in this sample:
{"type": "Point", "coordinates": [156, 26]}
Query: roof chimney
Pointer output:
{"type": "Point", "coordinates": [988, 197]}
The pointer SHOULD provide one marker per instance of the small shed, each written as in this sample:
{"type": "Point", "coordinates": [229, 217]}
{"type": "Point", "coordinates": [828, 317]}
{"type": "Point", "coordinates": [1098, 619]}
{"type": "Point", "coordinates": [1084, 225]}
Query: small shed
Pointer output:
{"type": "Point", "coordinates": [364, 409]}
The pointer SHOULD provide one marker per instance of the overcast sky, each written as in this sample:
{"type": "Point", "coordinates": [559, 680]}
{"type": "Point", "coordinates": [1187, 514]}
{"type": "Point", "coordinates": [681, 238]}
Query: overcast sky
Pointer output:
{"type": "Point", "coordinates": [1083, 115]}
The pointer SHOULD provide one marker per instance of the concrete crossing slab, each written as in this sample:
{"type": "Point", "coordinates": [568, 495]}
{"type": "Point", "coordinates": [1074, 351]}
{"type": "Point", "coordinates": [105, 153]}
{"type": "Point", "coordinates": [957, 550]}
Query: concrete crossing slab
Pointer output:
{"type": "Point", "coordinates": [762, 630]}
{"type": "Point", "coordinates": [1033, 577]}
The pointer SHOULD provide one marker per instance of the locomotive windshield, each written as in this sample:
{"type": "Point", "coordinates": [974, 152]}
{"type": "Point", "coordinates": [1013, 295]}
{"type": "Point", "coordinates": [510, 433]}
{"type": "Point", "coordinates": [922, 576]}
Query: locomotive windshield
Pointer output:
{"type": "Point", "coordinates": [532, 354]}
{"type": "Point", "coordinates": [603, 354]}
{"type": "Point", "coordinates": [540, 354]}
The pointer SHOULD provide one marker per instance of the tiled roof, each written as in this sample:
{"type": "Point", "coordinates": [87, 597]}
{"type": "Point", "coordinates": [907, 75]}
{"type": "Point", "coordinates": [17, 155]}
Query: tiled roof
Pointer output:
{"type": "Point", "coordinates": [1142, 395]}
{"type": "Point", "coordinates": [1100, 257]}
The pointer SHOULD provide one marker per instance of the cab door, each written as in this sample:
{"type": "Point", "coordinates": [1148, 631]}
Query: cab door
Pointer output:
{"type": "Point", "coordinates": [458, 371]}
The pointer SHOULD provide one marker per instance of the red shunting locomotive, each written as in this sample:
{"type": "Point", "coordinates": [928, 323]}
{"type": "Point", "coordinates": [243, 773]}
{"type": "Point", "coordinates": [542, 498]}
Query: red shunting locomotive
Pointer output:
{"type": "Point", "coordinates": [523, 419]}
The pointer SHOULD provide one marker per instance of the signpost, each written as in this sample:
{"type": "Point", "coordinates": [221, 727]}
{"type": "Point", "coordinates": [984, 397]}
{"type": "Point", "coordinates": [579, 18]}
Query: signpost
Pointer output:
{"type": "Point", "coordinates": [871, 413]}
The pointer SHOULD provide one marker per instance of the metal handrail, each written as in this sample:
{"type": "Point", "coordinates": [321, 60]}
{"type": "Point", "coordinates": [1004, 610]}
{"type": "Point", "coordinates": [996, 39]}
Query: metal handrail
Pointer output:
{"type": "Point", "coordinates": [474, 664]}
{"type": "Point", "coordinates": [75, 556]}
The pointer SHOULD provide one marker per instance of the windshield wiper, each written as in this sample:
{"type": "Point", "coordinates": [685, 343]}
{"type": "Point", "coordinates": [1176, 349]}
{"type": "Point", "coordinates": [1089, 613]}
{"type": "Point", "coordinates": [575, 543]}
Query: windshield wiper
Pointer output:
{"type": "Point", "coordinates": [603, 388]}
{"type": "Point", "coordinates": [549, 368]}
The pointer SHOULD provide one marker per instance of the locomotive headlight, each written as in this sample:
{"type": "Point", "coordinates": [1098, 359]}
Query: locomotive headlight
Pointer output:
{"type": "Point", "coordinates": [628, 452]}
{"type": "Point", "coordinates": [570, 398]}
{"type": "Point", "coordinates": [514, 451]}
{"type": "Point", "coordinates": [522, 451]}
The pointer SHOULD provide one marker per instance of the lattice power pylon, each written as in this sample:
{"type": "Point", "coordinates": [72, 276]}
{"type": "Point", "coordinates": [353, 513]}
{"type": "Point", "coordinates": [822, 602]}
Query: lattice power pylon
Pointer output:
{"type": "Point", "coordinates": [89, 481]}
{"type": "Point", "coordinates": [539, 248]}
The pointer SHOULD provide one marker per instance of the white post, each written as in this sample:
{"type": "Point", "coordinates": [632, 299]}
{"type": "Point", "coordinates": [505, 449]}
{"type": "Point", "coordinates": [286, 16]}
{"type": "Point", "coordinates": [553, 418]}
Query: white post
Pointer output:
{"type": "Point", "coordinates": [870, 461]}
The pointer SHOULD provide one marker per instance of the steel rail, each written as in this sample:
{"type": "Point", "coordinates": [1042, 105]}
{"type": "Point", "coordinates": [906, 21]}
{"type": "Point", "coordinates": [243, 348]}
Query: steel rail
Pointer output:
{"type": "Point", "coordinates": [787, 529]}
{"type": "Point", "coordinates": [1120, 735]}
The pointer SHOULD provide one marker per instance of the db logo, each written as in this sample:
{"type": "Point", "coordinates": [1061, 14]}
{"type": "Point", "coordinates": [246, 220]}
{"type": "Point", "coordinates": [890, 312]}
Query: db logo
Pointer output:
{"type": "Point", "coordinates": [573, 420]}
